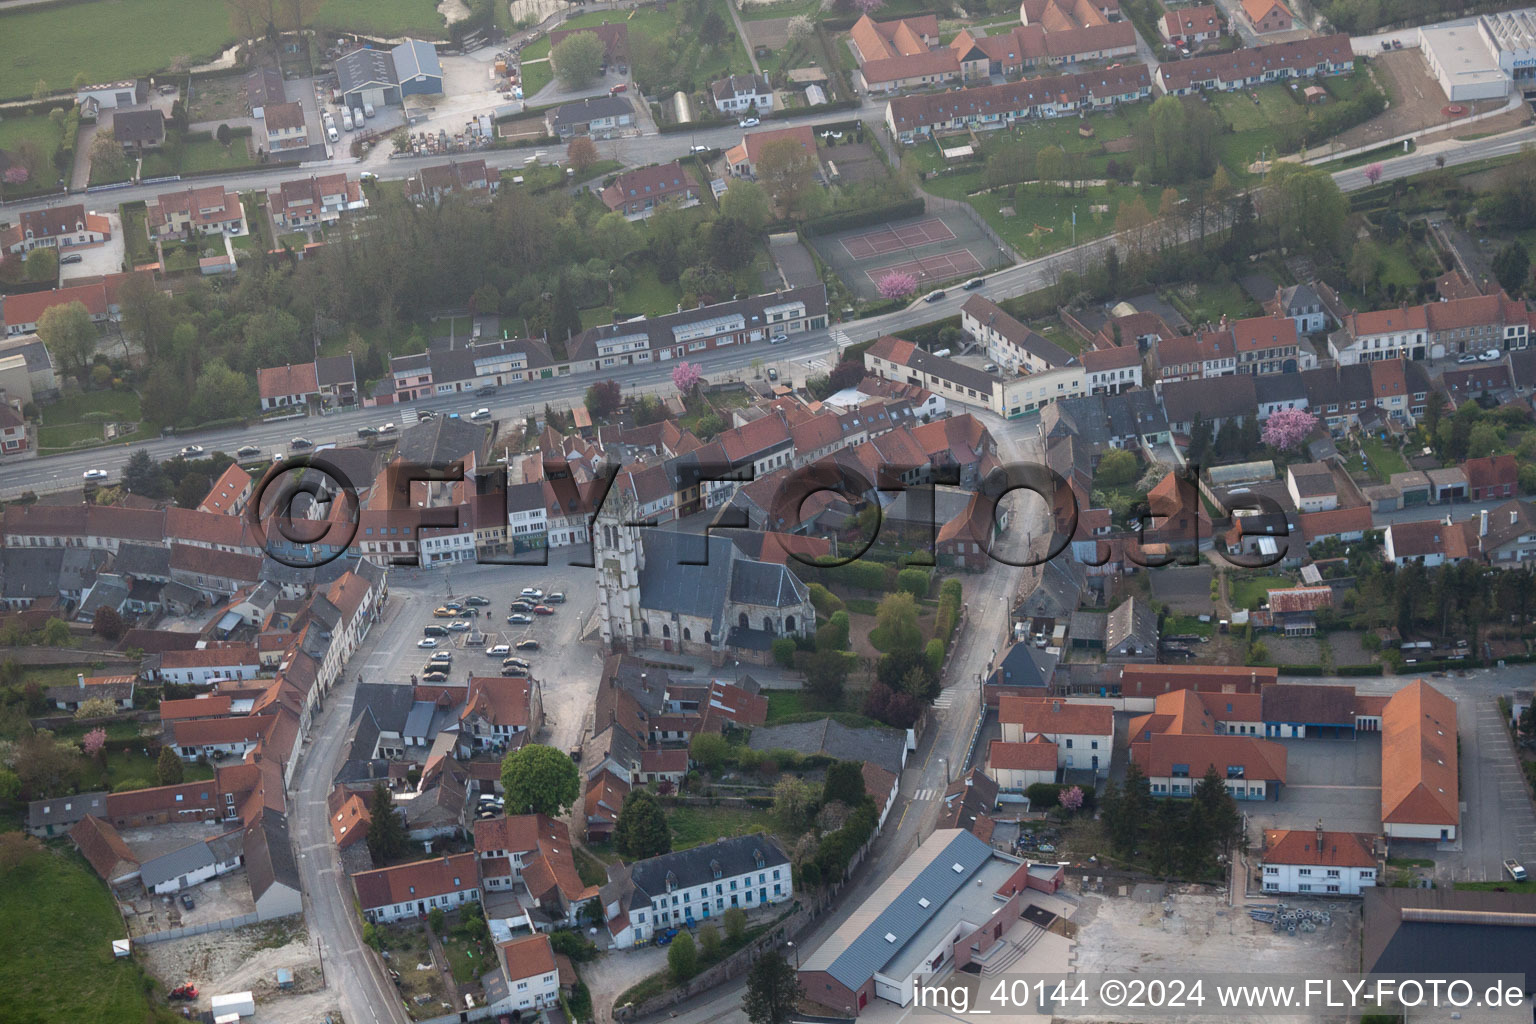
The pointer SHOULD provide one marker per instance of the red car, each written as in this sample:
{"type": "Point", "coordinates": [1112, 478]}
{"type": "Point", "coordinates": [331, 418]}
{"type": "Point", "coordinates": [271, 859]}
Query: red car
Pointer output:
{"type": "Point", "coordinates": [543, 609]}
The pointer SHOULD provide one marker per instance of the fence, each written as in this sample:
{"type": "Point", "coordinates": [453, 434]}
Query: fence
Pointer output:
{"type": "Point", "coordinates": [228, 924]}
{"type": "Point", "coordinates": [955, 206]}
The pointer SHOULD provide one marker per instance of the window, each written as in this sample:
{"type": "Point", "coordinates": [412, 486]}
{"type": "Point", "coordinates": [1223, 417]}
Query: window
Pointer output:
{"type": "Point", "coordinates": [1069, 744]}
{"type": "Point", "coordinates": [1303, 871]}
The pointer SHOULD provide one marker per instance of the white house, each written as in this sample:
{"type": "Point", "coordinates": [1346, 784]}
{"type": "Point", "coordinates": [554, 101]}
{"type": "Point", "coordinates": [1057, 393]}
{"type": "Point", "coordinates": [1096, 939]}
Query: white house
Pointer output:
{"type": "Point", "coordinates": [1314, 861]}
{"type": "Point", "coordinates": [1311, 487]}
{"type": "Point", "coordinates": [204, 665]}
{"type": "Point", "coordinates": [411, 890]}
{"type": "Point", "coordinates": [688, 886]}
{"type": "Point", "coordinates": [193, 864]}
{"type": "Point", "coordinates": [1082, 733]}
{"type": "Point", "coordinates": [742, 92]}
{"type": "Point", "coordinates": [1017, 766]}
{"type": "Point", "coordinates": [533, 978]}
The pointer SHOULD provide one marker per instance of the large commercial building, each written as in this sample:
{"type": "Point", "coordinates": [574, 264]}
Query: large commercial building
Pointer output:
{"type": "Point", "coordinates": [1464, 62]}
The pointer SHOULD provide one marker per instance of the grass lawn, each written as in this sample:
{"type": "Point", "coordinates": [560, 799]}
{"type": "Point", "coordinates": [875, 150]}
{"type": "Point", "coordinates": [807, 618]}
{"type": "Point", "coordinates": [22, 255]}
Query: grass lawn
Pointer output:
{"type": "Point", "coordinates": [1249, 591]}
{"type": "Point", "coordinates": [209, 155]}
{"type": "Point", "coordinates": [294, 240]}
{"type": "Point", "coordinates": [136, 234]}
{"type": "Point", "coordinates": [465, 958]}
{"type": "Point", "coordinates": [1042, 220]}
{"type": "Point", "coordinates": [180, 257]}
{"type": "Point", "coordinates": [123, 765]}
{"type": "Point", "coordinates": [393, 18]}
{"type": "Point", "coordinates": [787, 9]}
{"type": "Point", "coordinates": [646, 295]}
{"type": "Point", "coordinates": [590, 869]}
{"type": "Point", "coordinates": [1276, 106]}
{"type": "Point", "coordinates": [788, 706]}
{"type": "Point", "coordinates": [56, 43]}
{"type": "Point", "coordinates": [695, 826]}
{"type": "Point", "coordinates": [1210, 301]}
{"type": "Point", "coordinates": [62, 921]}
{"type": "Point", "coordinates": [78, 421]}
{"type": "Point", "coordinates": [1384, 461]}
{"type": "Point", "coordinates": [39, 130]}
{"type": "Point", "coordinates": [1176, 624]}
{"type": "Point", "coordinates": [536, 75]}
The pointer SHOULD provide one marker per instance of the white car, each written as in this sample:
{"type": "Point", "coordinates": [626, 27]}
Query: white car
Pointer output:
{"type": "Point", "coordinates": [95, 474]}
{"type": "Point", "coordinates": [1468, 358]}
{"type": "Point", "coordinates": [533, 592]}
{"type": "Point", "coordinates": [749, 122]}
{"type": "Point", "coordinates": [499, 651]}
{"type": "Point", "coordinates": [778, 339]}
{"type": "Point", "coordinates": [190, 450]}
{"type": "Point", "coordinates": [427, 642]}
{"type": "Point", "coordinates": [481, 413]}
{"type": "Point", "coordinates": [1491, 355]}
{"type": "Point", "coordinates": [387, 428]}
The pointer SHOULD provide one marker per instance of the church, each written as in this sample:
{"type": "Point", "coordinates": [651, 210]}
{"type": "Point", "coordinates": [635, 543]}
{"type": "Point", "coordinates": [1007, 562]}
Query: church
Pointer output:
{"type": "Point", "coordinates": [697, 594]}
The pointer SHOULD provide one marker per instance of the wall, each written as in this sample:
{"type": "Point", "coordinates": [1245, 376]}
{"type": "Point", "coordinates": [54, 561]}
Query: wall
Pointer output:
{"type": "Point", "coordinates": [227, 924]}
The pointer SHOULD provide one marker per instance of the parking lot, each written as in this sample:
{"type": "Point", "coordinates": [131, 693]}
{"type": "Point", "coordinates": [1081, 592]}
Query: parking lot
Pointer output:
{"type": "Point", "coordinates": [565, 668]}
{"type": "Point", "coordinates": [1338, 781]}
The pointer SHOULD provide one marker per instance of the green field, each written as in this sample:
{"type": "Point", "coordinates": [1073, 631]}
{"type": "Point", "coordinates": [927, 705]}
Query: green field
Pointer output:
{"type": "Point", "coordinates": [62, 921]}
{"type": "Point", "coordinates": [695, 826]}
{"type": "Point", "coordinates": [106, 40]}
{"type": "Point", "coordinates": [536, 75]}
{"type": "Point", "coordinates": [39, 128]}
{"type": "Point", "coordinates": [646, 295]}
{"type": "Point", "coordinates": [78, 421]}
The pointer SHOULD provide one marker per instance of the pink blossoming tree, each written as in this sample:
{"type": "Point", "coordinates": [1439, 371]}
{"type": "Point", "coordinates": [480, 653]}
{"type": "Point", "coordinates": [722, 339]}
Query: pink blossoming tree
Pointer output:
{"type": "Point", "coordinates": [1373, 173]}
{"type": "Point", "coordinates": [896, 285]}
{"type": "Point", "coordinates": [1288, 428]}
{"type": "Point", "coordinates": [94, 741]}
{"type": "Point", "coordinates": [686, 377]}
{"type": "Point", "coordinates": [1072, 798]}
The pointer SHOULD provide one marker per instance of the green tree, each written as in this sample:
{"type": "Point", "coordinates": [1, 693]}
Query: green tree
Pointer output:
{"type": "Point", "coordinates": [109, 164]}
{"type": "Point", "coordinates": [641, 830]}
{"type": "Point", "coordinates": [710, 750]}
{"type": "Point", "coordinates": [69, 334]}
{"type": "Point", "coordinates": [604, 399]}
{"type": "Point", "coordinates": [615, 237]}
{"type": "Point", "coordinates": [793, 799]}
{"type": "Point", "coordinates": [934, 652]}
{"type": "Point", "coordinates": [1050, 165]}
{"type": "Point", "coordinates": [826, 673]}
{"type": "Point", "coordinates": [784, 651]}
{"type": "Point", "coordinates": [221, 393]}
{"type": "Point", "coordinates": [42, 264]}
{"type": "Point", "coordinates": [682, 958]}
{"type": "Point", "coordinates": [577, 59]}
{"type": "Point", "coordinates": [1218, 807]}
{"type": "Point", "coordinates": [844, 784]}
{"type": "Point", "coordinates": [56, 633]}
{"type": "Point", "coordinates": [222, 134]}
{"type": "Point", "coordinates": [914, 581]}
{"type": "Point", "coordinates": [709, 941]}
{"type": "Point", "coordinates": [435, 918]}
{"type": "Point", "coordinates": [169, 769]}
{"type": "Point", "coordinates": [10, 784]}
{"type": "Point", "coordinates": [788, 174]}
{"type": "Point", "coordinates": [564, 317]}
{"type": "Point", "coordinates": [1310, 211]}
{"type": "Point", "coordinates": [387, 838]}
{"type": "Point", "coordinates": [773, 991]}
{"type": "Point", "coordinates": [1483, 440]}
{"type": "Point", "coordinates": [142, 475]}
{"type": "Point", "coordinates": [896, 621]}
{"type": "Point", "coordinates": [735, 924]}
{"type": "Point", "coordinates": [1117, 468]}
{"type": "Point", "coordinates": [538, 779]}
{"type": "Point", "coordinates": [1512, 266]}
{"type": "Point", "coordinates": [746, 202]}
{"type": "Point", "coordinates": [833, 634]}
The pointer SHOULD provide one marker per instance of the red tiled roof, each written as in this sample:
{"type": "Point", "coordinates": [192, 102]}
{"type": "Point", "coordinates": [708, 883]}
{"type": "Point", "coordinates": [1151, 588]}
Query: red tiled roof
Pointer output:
{"type": "Point", "coordinates": [1313, 847]}
{"type": "Point", "coordinates": [276, 381]}
{"type": "Point", "coordinates": [103, 847]}
{"type": "Point", "coordinates": [29, 307]}
{"type": "Point", "coordinates": [1315, 525]}
{"type": "Point", "coordinates": [349, 822]}
{"type": "Point", "coordinates": [205, 657]}
{"type": "Point", "coordinates": [1055, 716]}
{"type": "Point", "coordinates": [1192, 20]}
{"type": "Point", "coordinates": [226, 490]}
{"type": "Point", "coordinates": [199, 732]}
{"type": "Point", "coordinates": [530, 956]}
{"type": "Point", "coordinates": [501, 701]}
{"type": "Point", "coordinates": [195, 707]}
{"type": "Point", "coordinates": [1022, 757]}
{"type": "Point", "coordinates": [1491, 471]}
{"type": "Point", "coordinates": [1262, 760]}
{"type": "Point", "coordinates": [1418, 757]}
{"type": "Point", "coordinates": [418, 880]}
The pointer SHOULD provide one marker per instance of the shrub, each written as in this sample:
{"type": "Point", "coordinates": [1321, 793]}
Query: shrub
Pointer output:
{"type": "Point", "coordinates": [784, 650]}
{"type": "Point", "coordinates": [827, 603]}
{"type": "Point", "coordinates": [934, 652]}
{"type": "Point", "coordinates": [1043, 795]}
{"type": "Point", "coordinates": [682, 958]}
{"type": "Point", "coordinates": [914, 581]}
{"type": "Point", "coordinates": [735, 924]}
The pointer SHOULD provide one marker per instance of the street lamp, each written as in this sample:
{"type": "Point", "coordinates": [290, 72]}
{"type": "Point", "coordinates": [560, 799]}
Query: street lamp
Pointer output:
{"type": "Point", "coordinates": [793, 949]}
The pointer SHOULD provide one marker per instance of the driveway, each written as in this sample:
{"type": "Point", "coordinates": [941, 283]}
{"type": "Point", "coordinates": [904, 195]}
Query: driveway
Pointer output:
{"type": "Point", "coordinates": [96, 260]}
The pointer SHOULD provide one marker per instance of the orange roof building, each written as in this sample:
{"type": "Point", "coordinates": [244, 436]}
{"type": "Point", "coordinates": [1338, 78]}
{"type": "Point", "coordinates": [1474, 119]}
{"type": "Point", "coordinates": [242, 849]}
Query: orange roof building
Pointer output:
{"type": "Point", "coordinates": [1419, 794]}
{"type": "Point", "coordinates": [1319, 861]}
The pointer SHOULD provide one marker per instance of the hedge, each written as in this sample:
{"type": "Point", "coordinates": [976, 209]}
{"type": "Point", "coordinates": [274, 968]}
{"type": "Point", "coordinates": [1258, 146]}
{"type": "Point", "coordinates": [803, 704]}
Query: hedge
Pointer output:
{"type": "Point", "coordinates": [1359, 670]}
{"type": "Point", "coordinates": [820, 108]}
{"type": "Point", "coordinates": [835, 222]}
{"type": "Point", "coordinates": [1301, 670]}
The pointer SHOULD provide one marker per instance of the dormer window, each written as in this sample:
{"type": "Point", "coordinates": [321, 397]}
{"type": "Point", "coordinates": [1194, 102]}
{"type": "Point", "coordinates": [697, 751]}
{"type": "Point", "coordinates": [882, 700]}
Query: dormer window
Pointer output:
{"type": "Point", "coordinates": [714, 868]}
{"type": "Point", "coordinates": [757, 857]}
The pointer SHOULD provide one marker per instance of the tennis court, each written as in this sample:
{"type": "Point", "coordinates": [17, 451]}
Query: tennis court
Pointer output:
{"type": "Point", "coordinates": [937, 246]}
{"type": "Point", "coordinates": [940, 267]}
{"type": "Point", "coordinates": [891, 239]}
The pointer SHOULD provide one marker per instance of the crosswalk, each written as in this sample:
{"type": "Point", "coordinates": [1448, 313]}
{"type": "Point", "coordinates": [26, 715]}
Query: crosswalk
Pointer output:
{"type": "Point", "coordinates": [926, 794]}
{"type": "Point", "coordinates": [945, 699]}
{"type": "Point", "coordinates": [817, 364]}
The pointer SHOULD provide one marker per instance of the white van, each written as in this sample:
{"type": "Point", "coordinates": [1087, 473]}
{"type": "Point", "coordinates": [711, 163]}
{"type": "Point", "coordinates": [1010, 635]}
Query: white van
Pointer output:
{"type": "Point", "coordinates": [331, 133]}
{"type": "Point", "coordinates": [499, 651]}
{"type": "Point", "coordinates": [367, 109]}
{"type": "Point", "coordinates": [346, 118]}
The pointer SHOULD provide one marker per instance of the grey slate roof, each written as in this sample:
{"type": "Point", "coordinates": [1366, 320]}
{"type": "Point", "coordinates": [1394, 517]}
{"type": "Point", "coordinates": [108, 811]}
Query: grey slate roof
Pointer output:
{"type": "Point", "coordinates": [440, 441]}
{"type": "Point", "coordinates": [669, 585]}
{"type": "Point", "coordinates": [30, 572]}
{"type": "Point", "coordinates": [362, 68]}
{"type": "Point", "coordinates": [269, 855]}
{"type": "Point", "coordinates": [42, 813]}
{"type": "Point", "coordinates": [388, 704]}
{"type": "Point", "coordinates": [589, 110]}
{"type": "Point", "coordinates": [696, 867]}
{"type": "Point", "coordinates": [1135, 621]}
{"type": "Point", "coordinates": [189, 858]}
{"type": "Point", "coordinates": [143, 561]}
{"type": "Point", "coordinates": [830, 738]}
{"type": "Point", "coordinates": [905, 916]}
{"type": "Point", "coordinates": [765, 583]}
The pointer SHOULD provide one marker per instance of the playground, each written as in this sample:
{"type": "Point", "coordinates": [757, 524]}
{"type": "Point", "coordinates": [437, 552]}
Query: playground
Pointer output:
{"type": "Point", "coordinates": [936, 248]}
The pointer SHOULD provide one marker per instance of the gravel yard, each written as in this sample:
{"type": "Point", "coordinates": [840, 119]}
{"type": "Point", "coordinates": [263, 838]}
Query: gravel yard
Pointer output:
{"type": "Point", "coordinates": [247, 959]}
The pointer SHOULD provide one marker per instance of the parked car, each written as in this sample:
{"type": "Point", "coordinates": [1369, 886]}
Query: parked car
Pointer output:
{"type": "Point", "coordinates": [498, 651]}
{"type": "Point", "coordinates": [543, 609]}
{"type": "Point", "coordinates": [476, 601]}
{"type": "Point", "coordinates": [934, 296]}
{"type": "Point", "coordinates": [73, 257]}
{"type": "Point", "coordinates": [247, 451]}
{"type": "Point", "coordinates": [1516, 869]}
{"type": "Point", "coordinates": [457, 606]}
{"type": "Point", "coordinates": [1468, 358]}
{"type": "Point", "coordinates": [387, 428]}
{"type": "Point", "coordinates": [698, 149]}
{"type": "Point", "coordinates": [973, 284]}
{"type": "Point", "coordinates": [95, 474]}
{"type": "Point", "coordinates": [481, 413]}
{"type": "Point", "coordinates": [434, 677]}
{"type": "Point", "coordinates": [773, 374]}
{"type": "Point", "coordinates": [300, 443]}
{"type": "Point", "coordinates": [458, 626]}
{"type": "Point", "coordinates": [778, 339]}
{"type": "Point", "coordinates": [427, 642]}
{"type": "Point", "coordinates": [533, 592]}
{"type": "Point", "coordinates": [521, 606]}
{"type": "Point", "coordinates": [556, 598]}
{"type": "Point", "coordinates": [441, 656]}
{"type": "Point", "coordinates": [749, 122]}
{"type": "Point", "coordinates": [514, 662]}
{"type": "Point", "coordinates": [187, 902]}
{"type": "Point", "coordinates": [516, 670]}
{"type": "Point", "coordinates": [527, 645]}
{"type": "Point", "coordinates": [367, 432]}
{"type": "Point", "coordinates": [1491, 355]}
{"type": "Point", "coordinates": [444, 612]}
{"type": "Point", "coordinates": [621, 87]}
{"type": "Point", "coordinates": [434, 631]}
{"type": "Point", "coordinates": [519, 619]}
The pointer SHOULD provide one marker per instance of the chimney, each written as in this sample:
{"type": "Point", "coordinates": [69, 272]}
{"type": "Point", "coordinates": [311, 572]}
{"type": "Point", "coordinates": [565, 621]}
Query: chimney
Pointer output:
{"type": "Point", "coordinates": [1482, 524]}
{"type": "Point", "coordinates": [80, 676]}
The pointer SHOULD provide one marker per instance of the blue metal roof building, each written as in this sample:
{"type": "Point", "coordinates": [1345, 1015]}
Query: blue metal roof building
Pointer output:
{"type": "Point", "coordinates": [417, 68]}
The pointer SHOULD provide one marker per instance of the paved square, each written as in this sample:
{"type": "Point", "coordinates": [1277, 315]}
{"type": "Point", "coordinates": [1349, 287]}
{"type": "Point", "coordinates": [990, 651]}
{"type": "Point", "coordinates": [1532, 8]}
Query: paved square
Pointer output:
{"type": "Point", "coordinates": [1338, 781]}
